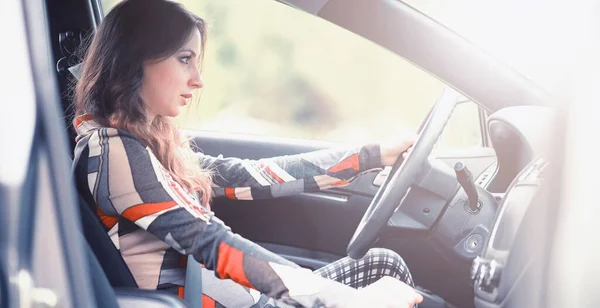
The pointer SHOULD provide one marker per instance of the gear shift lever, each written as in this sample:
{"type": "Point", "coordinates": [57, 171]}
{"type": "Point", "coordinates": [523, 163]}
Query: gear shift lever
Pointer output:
{"type": "Point", "coordinates": [465, 179]}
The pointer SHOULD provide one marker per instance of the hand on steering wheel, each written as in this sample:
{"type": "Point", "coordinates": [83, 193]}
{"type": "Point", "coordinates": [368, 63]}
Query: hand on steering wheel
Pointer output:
{"type": "Point", "coordinates": [405, 171]}
{"type": "Point", "coordinates": [391, 150]}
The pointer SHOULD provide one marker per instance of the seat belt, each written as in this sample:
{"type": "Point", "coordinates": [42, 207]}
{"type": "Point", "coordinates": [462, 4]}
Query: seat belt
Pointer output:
{"type": "Point", "coordinates": [193, 277]}
{"type": "Point", "coordinates": [193, 283]}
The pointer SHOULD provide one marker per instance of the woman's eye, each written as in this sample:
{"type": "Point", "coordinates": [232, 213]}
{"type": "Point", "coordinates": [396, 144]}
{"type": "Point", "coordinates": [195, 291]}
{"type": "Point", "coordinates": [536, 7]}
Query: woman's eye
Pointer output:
{"type": "Point", "coordinates": [185, 60]}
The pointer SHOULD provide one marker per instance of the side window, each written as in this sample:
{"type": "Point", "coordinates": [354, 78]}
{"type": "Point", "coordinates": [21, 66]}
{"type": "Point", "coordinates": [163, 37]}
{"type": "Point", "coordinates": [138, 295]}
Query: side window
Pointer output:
{"type": "Point", "coordinates": [107, 5]}
{"type": "Point", "coordinates": [272, 70]}
{"type": "Point", "coordinates": [464, 129]}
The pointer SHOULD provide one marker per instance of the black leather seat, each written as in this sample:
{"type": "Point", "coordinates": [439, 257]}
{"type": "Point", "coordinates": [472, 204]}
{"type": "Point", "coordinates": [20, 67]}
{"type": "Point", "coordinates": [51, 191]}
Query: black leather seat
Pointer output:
{"type": "Point", "coordinates": [109, 258]}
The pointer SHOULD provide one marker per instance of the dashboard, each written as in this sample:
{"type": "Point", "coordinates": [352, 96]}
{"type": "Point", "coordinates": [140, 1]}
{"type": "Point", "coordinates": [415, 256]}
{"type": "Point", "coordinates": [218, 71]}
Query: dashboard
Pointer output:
{"type": "Point", "coordinates": [512, 210]}
{"type": "Point", "coordinates": [520, 138]}
{"type": "Point", "coordinates": [462, 235]}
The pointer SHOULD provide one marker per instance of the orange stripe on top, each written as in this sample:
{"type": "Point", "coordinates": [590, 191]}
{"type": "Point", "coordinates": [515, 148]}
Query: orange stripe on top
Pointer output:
{"type": "Point", "coordinates": [230, 193]}
{"type": "Point", "coordinates": [230, 265]}
{"type": "Point", "coordinates": [175, 186]}
{"type": "Point", "coordinates": [82, 118]}
{"type": "Point", "coordinates": [181, 292]}
{"type": "Point", "coordinates": [184, 196]}
{"type": "Point", "coordinates": [274, 175]}
{"type": "Point", "coordinates": [351, 162]}
{"type": "Point", "coordinates": [340, 183]}
{"type": "Point", "coordinates": [107, 220]}
{"type": "Point", "coordinates": [208, 302]}
{"type": "Point", "coordinates": [142, 210]}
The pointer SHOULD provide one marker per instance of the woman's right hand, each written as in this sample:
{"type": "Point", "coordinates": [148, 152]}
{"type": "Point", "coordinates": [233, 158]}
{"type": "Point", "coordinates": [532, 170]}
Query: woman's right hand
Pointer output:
{"type": "Point", "coordinates": [386, 292]}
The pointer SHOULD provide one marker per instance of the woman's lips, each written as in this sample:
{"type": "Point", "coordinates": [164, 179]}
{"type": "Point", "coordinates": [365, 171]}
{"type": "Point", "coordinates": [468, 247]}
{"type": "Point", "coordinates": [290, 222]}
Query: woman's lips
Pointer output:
{"type": "Point", "coordinates": [185, 98]}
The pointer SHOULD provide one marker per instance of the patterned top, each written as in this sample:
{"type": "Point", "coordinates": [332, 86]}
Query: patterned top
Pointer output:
{"type": "Point", "coordinates": [155, 223]}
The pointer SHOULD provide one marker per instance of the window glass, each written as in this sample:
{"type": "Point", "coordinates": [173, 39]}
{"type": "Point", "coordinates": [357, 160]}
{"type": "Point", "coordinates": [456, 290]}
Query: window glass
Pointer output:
{"type": "Point", "coordinates": [273, 70]}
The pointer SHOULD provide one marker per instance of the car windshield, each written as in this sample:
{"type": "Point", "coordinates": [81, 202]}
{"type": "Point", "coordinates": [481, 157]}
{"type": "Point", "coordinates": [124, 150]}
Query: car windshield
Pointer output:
{"type": "Point", "coordinates": [533, 37]}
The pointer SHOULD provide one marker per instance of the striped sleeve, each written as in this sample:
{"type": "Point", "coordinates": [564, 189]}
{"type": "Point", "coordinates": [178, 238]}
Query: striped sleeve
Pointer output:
{"type": "Point", "coordinates": [130, 182]}
{"type": "Point", "coordinates": [287, 175]}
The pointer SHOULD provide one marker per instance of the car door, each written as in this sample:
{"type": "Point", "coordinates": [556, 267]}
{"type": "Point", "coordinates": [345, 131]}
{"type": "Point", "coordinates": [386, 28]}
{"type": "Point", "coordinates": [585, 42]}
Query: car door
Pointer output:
{"type": "Point", "coordinates": [41, 257]}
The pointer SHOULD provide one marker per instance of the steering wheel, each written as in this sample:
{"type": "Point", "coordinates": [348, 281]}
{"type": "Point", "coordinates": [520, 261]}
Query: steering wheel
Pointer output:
{"type": "Point", "coordinates": [390, 195]}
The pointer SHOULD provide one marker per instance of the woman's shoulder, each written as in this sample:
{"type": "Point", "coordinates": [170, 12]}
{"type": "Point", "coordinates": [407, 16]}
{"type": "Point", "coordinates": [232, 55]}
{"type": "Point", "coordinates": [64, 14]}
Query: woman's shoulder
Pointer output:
{"type": "Point", "coordinates": [112, 133]}
{"type": "Point", "coordinates": [113, 142]}
{"type": "Point", "coordinates": [110, 147]}
{"type": "Point", "coordinates": [87, 128]}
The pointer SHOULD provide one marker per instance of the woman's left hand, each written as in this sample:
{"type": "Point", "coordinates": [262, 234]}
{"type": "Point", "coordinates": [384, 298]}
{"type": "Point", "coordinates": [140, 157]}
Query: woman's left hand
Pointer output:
{"type": "Point", "coordinates": [391, 150]}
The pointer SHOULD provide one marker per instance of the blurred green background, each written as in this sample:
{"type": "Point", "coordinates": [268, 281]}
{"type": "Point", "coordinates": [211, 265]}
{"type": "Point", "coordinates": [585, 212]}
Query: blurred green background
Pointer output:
{"type": "Point", "coordinates": [276, 71]}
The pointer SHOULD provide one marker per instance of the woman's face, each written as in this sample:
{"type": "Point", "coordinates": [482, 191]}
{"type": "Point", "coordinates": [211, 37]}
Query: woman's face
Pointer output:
{"type": "Point", "coordinates": [168, 84]}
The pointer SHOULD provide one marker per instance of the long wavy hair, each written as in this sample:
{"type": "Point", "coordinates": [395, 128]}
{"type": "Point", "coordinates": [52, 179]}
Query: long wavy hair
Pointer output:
{"type": "Point", "coordinates": [133, 32]}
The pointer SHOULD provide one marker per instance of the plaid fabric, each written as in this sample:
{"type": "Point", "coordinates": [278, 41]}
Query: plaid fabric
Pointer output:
{"type": "Point", "coordinates": [378, 262]}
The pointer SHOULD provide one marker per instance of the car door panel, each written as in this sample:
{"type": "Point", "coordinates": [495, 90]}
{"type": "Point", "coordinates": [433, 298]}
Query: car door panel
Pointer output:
{"type": "Point", "coordinates": [320, 221]}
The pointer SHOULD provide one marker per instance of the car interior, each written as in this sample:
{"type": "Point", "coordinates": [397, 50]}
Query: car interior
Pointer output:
{"type": "Point", "coordinates": [453, 217]}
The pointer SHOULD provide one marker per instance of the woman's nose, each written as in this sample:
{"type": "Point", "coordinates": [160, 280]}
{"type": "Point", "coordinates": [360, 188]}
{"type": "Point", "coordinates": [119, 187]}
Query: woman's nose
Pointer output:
{"type": "Point", "coordinates": [196, 81]}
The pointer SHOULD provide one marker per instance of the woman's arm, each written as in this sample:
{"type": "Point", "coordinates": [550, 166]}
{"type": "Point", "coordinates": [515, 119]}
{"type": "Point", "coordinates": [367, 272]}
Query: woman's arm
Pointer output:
{"type": "Point", "coordinates": [286, 175]}
{"type": "Point", "coordinates": [128, 181]}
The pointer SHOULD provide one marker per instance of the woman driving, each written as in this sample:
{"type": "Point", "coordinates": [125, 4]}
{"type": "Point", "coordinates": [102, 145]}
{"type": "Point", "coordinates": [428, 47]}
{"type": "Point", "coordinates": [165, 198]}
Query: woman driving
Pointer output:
{"type": "Point", "coordinates": [152, 191]}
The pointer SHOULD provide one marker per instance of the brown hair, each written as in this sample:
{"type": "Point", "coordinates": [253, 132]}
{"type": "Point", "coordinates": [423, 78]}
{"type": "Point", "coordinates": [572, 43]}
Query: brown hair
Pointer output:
{"type": "Point", "coordinates": [133, 32]}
